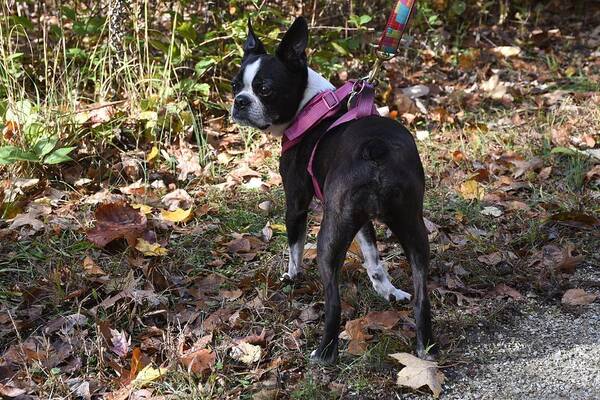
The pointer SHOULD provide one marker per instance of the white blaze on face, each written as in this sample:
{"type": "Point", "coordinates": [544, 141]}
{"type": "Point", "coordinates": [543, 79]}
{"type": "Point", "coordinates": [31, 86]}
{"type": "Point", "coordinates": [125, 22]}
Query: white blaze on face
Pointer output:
{"type": "Point", "coordinates": [256, 110]}
{"type": "Point", "coordinates": [249, 74]}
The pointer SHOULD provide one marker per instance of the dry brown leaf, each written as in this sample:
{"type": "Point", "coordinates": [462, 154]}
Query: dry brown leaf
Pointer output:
{"type": "Point", "coordinates": [569, 262]}
{"type": "Point", "coordinates": [384, 319]}
{"type": "Point", "coordinates": [418, 373]}
{"type": "Point", "coordinates": [491, 259]}
{"type": "Point", "coordinates": [494, 88]}
{"type": "Point", "coordinates": [178, 198]}
{"type": "Point", "coordinates": [231, 295]}
{"type": "Point", "coordinates": [593, 174]}
{"type": "Point", "coordinates": [187, 161]}
{"type": "Point", "coordinates": [405, 104]}
{"type": "Point", "coordinates": [578, 297]}
{"type": "Point", "coordinates": [10, 391]}
{"type": "Point", "coordinates": [505, 290]}
{"type": "Point", "coordinates": [116, 221]}
{"type": "Point", "coordinates": [356, 331]}
{"type": "Point", "coordinates": [198, 361]}
{"type": "Point", "coordinates": [91, 268]}
{"type": "Point", "coordinates": [134, 365]}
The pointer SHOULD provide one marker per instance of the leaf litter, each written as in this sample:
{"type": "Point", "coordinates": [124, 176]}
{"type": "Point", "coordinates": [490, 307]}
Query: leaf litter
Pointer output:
{"type": "Point", "coordinates": [488, 203]}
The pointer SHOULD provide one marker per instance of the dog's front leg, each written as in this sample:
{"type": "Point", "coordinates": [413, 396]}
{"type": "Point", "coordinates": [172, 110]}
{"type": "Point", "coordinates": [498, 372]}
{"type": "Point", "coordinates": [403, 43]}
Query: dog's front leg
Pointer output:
{"type": "Point", "coordinates": [295, 223]}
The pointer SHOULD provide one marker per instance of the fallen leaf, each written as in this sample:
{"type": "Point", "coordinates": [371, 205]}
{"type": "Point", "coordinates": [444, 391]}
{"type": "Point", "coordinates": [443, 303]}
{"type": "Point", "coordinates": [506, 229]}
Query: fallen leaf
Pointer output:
{"type": "Point", "coordinates": [116, 221]}
{"type": "Point", "coordinates": [231, 295]}
{"type": "Point", "coordinates": [491, 259]}
{"type": "Point", "coordinates": [178, 198]}
{"type": "Point", "coordinates": [119, 343]}
{"type": "Point", "coordinates": [91, 268]}
{"type": "Point", "coordinates": [187, 160]}
{"type": "Point", "coordinates": [178, 215]}
{"type": "Point", "coordinates": [198, 361]}
{"type": "Point", "coordinates": [505, 290]}
{"type": "Point", "coordinates": [416, 91]}
{"type": "Point", "coordinates": [266, 206]}
{"type": "Point", "coordinates": [383, 319]}
{"type": "Point", "coordinates": [267, 394]}
{"type": "Point", "coordinates": [246, 353]}
{"type": "Point", "coordinates": [492, 211]}
{"type": "Point", "coordinates": [494, 88]}
{"type": "Point", "coordinates": [507, 51]}
{"type": "Point", "coordinates": [578, 297]}
{"type": "Point", "coordinates": [471, 190]}
{"type": "Point", "coordinates": [310, 313]}
{"type": "Point", "coordinates": [593, 174]}
{"type": "Point", "coordinates": [358, 336]}
{"type": "Point", "coordinates": [419, 373]}
{"type": "Point", "coordinates": [10, 391]}
{"type": "Point", "coordinates": [135, 363]}
{"type": "Point", "coordinates": [144, 209]}
{"type": "Point", "coordinates": [404, 104]}
{"type": "Point", "coordinates": [576, 219]}
{"type": "Point", "coordinates": [147, 375]}
{"type": "Point", "coordinates": [239, 245]}
{"type": "Point", "coordinates": [524, 166]}
{"type": "Point", "coordinates": [267, 232]}
{"type": "Point", "coordinates": [153, 153]}
{"type": "Point", "coordinates": [569, 262]}
{"type": "Point", "coordinates": [150, 249]}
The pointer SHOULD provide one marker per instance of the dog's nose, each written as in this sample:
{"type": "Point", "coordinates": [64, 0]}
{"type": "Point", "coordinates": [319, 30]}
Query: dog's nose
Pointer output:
{"type": "Point", "coordinates": [241, 101]}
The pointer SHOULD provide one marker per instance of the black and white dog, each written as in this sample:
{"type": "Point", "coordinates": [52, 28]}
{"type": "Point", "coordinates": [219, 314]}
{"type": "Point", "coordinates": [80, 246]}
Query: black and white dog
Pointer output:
{"type": "Point", "coordinates": [368, 169]}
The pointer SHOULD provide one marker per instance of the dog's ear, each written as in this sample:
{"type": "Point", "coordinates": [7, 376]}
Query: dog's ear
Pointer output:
{"type": "Point", "coordinates": [292, 48]}
{"type": "Point", "coordinates": [253, 44]}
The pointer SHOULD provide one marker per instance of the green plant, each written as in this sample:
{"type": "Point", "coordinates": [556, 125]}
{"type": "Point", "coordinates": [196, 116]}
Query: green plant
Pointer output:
{"type": "Point", "coordinates": [44, 151]}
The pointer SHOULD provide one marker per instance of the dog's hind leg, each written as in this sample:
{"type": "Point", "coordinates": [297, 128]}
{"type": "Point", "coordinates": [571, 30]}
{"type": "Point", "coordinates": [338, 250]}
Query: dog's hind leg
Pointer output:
{"type": "Point", "coordinates": [409, 228]}
{"type": "Point", "coordinates": [374, 265]}
{"type": "Point", "coordinates": [335, 237]}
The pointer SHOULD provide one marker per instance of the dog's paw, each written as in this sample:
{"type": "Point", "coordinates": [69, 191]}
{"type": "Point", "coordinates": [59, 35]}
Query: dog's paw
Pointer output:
{"type": "Point", "coordinates": [323, 358]}
{"type": "Point", "coordinates": [424, 355]}
{"type": "Point", "coordinates": [287, 277]}
{"type": "Point", "coordinates": [399, 295]}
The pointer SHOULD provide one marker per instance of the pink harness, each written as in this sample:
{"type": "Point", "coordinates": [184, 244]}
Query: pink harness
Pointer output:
{"type": "Point", "coordinates": [324, 105]}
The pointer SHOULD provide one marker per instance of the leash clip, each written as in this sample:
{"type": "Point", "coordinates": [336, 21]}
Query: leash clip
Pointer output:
{"type": "Point", "coordinates": [357, 88]}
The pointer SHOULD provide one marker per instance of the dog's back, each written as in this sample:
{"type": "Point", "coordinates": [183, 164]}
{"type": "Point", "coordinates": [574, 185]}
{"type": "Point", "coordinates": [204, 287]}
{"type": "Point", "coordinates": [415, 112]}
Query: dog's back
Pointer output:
{"type": "Point", "coordinates": [372, 161]}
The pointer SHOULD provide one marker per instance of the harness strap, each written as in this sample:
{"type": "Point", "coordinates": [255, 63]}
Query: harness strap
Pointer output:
{"type": "Point", "coordinates": [364, 106]}
{"type": "Point", "coordinates": [321, 106]}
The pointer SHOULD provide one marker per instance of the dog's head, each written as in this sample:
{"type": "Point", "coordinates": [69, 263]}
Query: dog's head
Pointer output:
{"type": "Point", "coordinates": [269, 89]}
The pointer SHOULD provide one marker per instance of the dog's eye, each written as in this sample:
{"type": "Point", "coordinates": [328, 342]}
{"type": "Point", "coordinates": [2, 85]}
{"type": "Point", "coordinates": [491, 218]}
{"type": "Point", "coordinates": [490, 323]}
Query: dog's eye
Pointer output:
{"type": "Point", "coordinates": [264, 90]}
{"type": "Point", "coordinates": [236, 86]}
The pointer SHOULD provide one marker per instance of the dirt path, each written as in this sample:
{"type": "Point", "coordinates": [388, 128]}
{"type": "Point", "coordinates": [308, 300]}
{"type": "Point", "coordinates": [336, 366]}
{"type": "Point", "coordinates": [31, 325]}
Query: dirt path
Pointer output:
{"type": "Point", "coordinates": [548, 351]}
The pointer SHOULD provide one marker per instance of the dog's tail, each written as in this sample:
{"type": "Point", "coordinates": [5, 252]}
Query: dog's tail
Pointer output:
{"type": "Point", "coordinates": [375, 150]}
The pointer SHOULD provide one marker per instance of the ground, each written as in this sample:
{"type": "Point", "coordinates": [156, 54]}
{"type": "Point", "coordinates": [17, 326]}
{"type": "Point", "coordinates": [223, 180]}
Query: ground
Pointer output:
{"type": "Point", "coordinates": [188, 304]}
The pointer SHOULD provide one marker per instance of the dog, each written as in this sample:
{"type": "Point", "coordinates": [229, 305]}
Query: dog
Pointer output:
{"type": "Point", "coordinates": [369, 170]}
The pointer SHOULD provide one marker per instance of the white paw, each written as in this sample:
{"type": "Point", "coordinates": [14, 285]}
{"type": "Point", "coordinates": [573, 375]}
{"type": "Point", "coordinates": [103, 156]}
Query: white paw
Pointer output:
{"type": "Point", "coordinates": [390, 292]}
{"type": "Point", "coordinates": [286, 276]}
{"type": "Point", "coordinates": [399, 295]}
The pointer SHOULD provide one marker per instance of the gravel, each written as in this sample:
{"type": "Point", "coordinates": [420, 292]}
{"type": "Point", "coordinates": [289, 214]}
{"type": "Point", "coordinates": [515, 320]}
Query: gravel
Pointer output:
{"type": "Point", "coordinates": [548, 351]}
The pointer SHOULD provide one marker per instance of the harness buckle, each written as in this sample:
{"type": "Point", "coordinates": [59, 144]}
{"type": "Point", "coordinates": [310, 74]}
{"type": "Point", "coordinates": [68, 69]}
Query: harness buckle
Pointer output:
{"type": "Point", "coordinates": [330, 100]}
